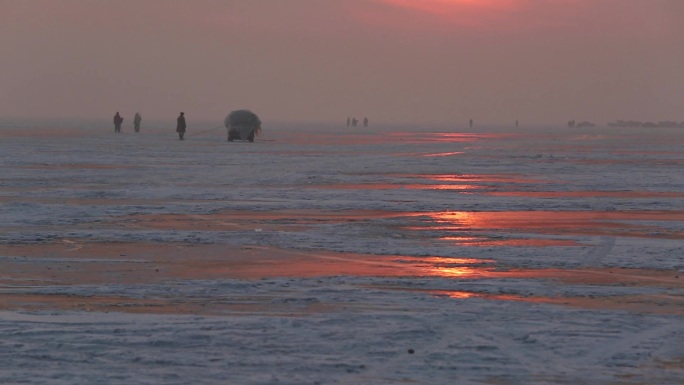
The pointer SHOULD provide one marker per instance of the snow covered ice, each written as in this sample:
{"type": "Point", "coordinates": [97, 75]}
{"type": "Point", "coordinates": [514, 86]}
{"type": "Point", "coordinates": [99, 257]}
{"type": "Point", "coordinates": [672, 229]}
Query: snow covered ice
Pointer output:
{"type": "Point", "coordinates": [335, 255]}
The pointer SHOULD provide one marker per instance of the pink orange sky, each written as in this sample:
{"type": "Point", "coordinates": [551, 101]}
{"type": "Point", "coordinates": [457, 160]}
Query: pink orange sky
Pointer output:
{"type": "Point", "coordinates": [442, 7]}
{"type": "Point", "coordinates": [436, 61]}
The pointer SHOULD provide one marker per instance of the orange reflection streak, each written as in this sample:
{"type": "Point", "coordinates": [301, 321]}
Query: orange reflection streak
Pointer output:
{"type": "Point", "coordinates": [460, 261]}
{"type": "Point", "coordinates": [464, 182]}
{"type": "Point", "coordinates": [558, 222]}
{"type": "Point", "coordinates": [468, 294]}
{"type": "Point", "coordinates": [456, 294]}
{"type": "Point", "coordinates": [455, 239]}
{"type": "Point", "coordinates": [393, 186]}
{"type": "Point", "coordinates": [456, 272]}
{"type": "Point", "coordinates": [450, 187]}
{"type": "Point", "coordinates": [473, 178]}
{"type": "Point", "coordinates": [446, 267]}
{"type": "Point", "coordinates": [460, 137]}
{"type": "Point", "coordinates": [442, 137]}
{"type": "Point", "coordinates": [381, 138]}
{"type": "Point", "coordinates": [645, 303]}
{"type": "Point", "coordinates": [440, 154]}
{"type": "Point", "coordinates": [462, 218]}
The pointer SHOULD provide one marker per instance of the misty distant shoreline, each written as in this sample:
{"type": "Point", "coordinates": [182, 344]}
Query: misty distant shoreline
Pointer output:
{"type": "Point", "coordinates": [637, 123]}
{"type": "Point", "coordinates": [205, 123]}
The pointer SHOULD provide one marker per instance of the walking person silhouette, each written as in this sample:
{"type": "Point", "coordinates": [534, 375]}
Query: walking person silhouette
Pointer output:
{"type": "Point", "coordinates": [180, 126]}
{"type": "Point", "coordinates": [117, 122]}
{"type": "Point", "coordinates": [136, 122]}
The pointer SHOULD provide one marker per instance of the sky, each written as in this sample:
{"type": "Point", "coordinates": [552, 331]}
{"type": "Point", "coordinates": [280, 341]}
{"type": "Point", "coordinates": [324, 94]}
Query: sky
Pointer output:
{"type": "Point", "coordinates": [393, 61]}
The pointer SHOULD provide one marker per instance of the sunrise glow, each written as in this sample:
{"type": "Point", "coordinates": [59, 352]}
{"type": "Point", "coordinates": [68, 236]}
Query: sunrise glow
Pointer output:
{"type": "Point", "coordinates": [448, 6]}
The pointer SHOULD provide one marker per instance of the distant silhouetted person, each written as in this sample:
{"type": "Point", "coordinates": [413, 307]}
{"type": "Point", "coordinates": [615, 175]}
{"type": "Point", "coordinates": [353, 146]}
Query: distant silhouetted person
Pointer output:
{"type": "Point", "coordinates": [471, 123]}
{"type": "Point", "coordinates": [516, 124]}
{"type": "Point", "coordinates": [365, 122]}
{"type": "Point", "coordinates": [117, 122]}
{"type": "Point", "coordinates": [136, 121]}
{"type": "Point", "coordinates": [348, 122]}
{"type": "Point", "coordinates": [180, 126]}
{"type": "Point", "coordinates": [354, 121]}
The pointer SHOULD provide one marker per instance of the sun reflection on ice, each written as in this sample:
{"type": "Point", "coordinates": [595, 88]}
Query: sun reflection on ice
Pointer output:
{"type": "Point", "coordinates": [446, 267]}
{"type": "Point", "coordinates": [441, 154]}
{"type": "Point", "coordinates": [553, 223]}
{"type": "Point", "coordinates": [456, 294]}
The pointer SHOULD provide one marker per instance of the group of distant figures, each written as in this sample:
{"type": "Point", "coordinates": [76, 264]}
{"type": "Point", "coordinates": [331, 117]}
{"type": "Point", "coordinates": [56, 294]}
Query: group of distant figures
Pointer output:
{"type": "Point", "coordinates": [353, 122]}
{"type": "Point", "coordinates": [118, 120]}
{"type": "Point", "coordinates": [180, 123]}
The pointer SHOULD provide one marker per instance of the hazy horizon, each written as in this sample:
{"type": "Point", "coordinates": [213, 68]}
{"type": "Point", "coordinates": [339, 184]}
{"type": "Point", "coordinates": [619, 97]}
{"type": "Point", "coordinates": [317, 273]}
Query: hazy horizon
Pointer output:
{"type": "Point", "coordinates": [433, 61]}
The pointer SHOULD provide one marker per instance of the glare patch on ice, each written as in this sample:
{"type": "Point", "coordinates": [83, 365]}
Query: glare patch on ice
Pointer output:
{"type": "Point", "coordinates": [475, 178]}
{"type": "Point", "coordinates": [395, 186]}
{"type": "Point", "coordinates": [456, 182]}
{"type": "Point", "coordinates": [555, 222]}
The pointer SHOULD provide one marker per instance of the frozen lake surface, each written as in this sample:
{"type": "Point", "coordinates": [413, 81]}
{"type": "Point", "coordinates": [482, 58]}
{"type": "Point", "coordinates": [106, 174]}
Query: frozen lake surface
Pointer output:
{"type": "Point", "coordinates": [335, 255]}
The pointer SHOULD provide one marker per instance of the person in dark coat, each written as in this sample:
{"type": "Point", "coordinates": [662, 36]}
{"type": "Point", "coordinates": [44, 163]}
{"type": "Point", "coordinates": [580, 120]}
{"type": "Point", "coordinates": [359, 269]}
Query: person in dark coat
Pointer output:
{"type": "Point", "coordinates": [180, 126]}
{"type": "Point", "coordinates": [117, 122]}
{"type": "Point", "coordinates": [136, 121]}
